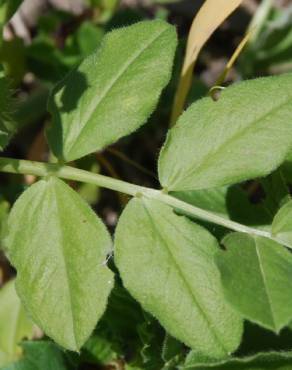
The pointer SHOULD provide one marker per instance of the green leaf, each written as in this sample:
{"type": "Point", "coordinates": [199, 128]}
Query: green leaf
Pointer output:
{"type": "Point", "coordinates": [282, 224]}
{"type": "Point", "coordinates": [114, 90]}
{"type": "Point", "coordinates": [246, 134]}
{"type": "Point", "coordinates": [40, 355]}
{"type": "Point", "coordinates": [7, 125]}
{"type": "Point", "coordinates": [261, 361]}
{"type": "Point", "coordinates": [166, 262]}
{"type": "Point", "coordinates": [257, 279]}
{"type": "Point", "coordinates": [14, 324]}
{"type": "Point", "coordinates": [59, 248]}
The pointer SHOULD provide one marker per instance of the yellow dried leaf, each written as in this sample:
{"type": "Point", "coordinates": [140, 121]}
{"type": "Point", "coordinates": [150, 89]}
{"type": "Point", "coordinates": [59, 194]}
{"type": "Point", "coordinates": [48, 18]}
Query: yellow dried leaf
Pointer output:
{"type": "Point", "coordinates": [211, 15]}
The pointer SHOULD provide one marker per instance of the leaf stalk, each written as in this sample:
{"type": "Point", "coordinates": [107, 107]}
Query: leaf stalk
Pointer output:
{"type": "Point", "coordinates": [41, 169]}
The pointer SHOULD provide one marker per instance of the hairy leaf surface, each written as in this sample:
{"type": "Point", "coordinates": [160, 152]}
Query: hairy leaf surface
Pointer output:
{"type": "Point", "coordinates": [166, 262]}
{"type": "Point", "coordinates": [246, 134]}
{"type": "Point", "coordinates": [257, 279]}
{"type": "Point", "coordinates": [58, 247]}
{"type": "Point", "coordinates": [113, 91]}
{"type": "Point", "coordinates": [14, 324]}
{"type": "Point", "coordinates": [261, 361]}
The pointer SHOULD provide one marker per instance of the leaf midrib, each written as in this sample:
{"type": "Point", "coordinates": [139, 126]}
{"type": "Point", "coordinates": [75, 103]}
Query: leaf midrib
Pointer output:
{"type": "Point", "coordinates": [269, 299]}
{"type": "Point", "coordinates": [112, 83]}
{"type": "Point", "coordinates": [189, 288]}
{"type": "Point", "coordinates": [61, 235]}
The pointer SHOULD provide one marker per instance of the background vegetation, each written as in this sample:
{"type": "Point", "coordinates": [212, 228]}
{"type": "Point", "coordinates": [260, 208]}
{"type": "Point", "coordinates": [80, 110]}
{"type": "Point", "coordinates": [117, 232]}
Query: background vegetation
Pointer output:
{"type": "Point", "coordinates": [41, 43]}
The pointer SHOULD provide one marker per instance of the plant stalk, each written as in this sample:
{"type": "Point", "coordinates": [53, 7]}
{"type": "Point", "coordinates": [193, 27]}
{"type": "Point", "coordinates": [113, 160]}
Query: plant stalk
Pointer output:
{"type": "Point", "coordinates": [42, 169]}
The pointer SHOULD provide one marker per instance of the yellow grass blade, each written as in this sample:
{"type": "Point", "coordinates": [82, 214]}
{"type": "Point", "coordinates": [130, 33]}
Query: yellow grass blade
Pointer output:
{"type": "Point", "coordinates": [230, 63]}
{"type": "Point", "coordinates": [208, 19]}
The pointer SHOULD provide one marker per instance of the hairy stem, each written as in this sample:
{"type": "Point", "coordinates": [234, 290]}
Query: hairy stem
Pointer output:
{"type": "Point", "coordinates": [40, 169]}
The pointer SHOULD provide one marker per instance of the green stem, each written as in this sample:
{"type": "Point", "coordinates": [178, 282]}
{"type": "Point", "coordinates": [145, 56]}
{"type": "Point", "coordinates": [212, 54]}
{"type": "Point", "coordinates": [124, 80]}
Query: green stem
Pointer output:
{"type": "Point", "coordinates": [42, 169]}
{"type": "Point", "coordinates": [69, 173]}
